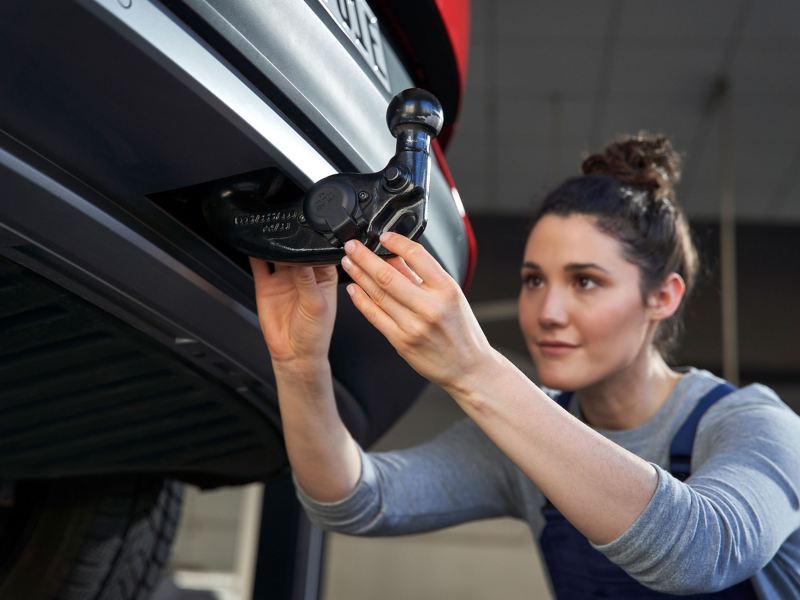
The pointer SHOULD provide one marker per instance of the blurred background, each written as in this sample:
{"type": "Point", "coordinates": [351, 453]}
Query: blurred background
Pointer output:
{"type": "Point", "coordinates": [549, 82]}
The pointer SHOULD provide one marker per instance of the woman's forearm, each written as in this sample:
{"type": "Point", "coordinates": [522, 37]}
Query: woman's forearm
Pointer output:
{"type": "Point", "coordinates": [599, 486]}
{"type": "Point", "coordinates": [324, 457]}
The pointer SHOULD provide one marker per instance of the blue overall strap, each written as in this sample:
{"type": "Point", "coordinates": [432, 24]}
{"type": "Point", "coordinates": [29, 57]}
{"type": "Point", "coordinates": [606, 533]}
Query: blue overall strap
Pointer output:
{"type": "Point", "coordinates": [563, 399]}
{"type": "Point", "coordinates": [680, 451]}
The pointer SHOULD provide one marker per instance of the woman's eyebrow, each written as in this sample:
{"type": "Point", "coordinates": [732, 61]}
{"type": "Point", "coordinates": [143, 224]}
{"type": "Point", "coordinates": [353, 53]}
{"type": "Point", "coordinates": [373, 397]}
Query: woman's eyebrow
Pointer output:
{"type": "Point", "coordinates": [584, 266]}
{"type": "Point", "coordinates": [570, 267]}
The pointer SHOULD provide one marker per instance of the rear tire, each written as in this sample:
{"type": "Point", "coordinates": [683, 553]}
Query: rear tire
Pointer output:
{"type": "Point", "coordinates": [104, 538]}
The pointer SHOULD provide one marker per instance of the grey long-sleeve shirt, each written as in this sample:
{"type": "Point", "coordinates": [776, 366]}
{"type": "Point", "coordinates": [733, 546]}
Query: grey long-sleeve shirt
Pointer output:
{"type": "Point", "coordinates": [737, 516]}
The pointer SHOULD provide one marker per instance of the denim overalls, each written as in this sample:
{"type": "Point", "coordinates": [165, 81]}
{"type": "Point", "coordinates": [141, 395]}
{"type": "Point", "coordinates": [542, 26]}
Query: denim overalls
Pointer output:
{"type": "Point", "coordinates": [578, 571]}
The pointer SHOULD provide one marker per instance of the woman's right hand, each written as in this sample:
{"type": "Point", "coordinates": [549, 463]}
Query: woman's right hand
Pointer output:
{"type": "Point", "coordinates": [296, 310]}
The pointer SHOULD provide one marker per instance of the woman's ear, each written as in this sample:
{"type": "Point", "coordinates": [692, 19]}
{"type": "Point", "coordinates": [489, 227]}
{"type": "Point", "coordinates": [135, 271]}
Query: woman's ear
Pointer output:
{"type": "Point", "coordinates": [665, 300]}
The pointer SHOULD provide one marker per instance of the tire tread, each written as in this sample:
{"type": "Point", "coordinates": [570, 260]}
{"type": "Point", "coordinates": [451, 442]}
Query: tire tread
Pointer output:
{"type": "Point", "coordinates": [127, 543]}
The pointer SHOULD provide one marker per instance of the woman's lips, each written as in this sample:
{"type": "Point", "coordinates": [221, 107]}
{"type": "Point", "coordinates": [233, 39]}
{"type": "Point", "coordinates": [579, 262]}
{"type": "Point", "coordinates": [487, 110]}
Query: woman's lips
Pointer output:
{"type": "Point", "coordinates": [556, 348]}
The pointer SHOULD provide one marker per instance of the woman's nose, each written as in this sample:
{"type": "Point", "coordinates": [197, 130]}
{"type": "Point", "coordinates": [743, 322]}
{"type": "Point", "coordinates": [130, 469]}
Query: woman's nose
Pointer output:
{"type": "Point", "coordinates": [553, 311]}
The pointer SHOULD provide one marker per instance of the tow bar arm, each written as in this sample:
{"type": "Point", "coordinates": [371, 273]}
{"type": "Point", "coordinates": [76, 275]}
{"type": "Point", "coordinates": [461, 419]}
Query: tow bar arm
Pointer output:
{"type": "Point", "coordinates": [313, 228]}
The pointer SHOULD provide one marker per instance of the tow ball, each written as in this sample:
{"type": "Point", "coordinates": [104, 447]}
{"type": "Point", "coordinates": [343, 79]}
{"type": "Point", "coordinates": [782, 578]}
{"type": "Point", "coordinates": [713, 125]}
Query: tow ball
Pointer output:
{"type": "Point", "coordinates": [313, 228]}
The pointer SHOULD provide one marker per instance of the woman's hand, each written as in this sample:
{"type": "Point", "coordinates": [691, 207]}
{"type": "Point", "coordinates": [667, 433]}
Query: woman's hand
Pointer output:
{"type": "Point", "coordinates": [420, 310]}
{"type": "Point", "coordinates": [296, 310]}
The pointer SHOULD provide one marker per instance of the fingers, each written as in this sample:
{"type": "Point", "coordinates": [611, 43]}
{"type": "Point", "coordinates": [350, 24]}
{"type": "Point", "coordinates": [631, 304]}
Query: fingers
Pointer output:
{"type": "Point", "coordinates": [307, 281]}
{"type": "Point", "coordinates": [258, 268]}
{"type": "Point", "coordinates": [326, 274]}
{"type": "Point", "coordinates": [417, 258]}
{"type": "Point", "coordinates": [261, 274]}
{"type": "Point", "coordinates": [376, 286]}
{"type": "Point", "coordinates": [380, 279]}
{"type": "Point", "coordinates": [303, 277]}
{"type": "Point", "coordinates": [372, 312]}
{"type": "Point", "coordinates": [398, 263]}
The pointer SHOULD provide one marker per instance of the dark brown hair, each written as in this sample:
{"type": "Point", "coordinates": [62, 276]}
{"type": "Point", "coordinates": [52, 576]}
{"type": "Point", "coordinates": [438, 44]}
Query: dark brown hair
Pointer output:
{"type": "Point", "coordinates": [629, 189]}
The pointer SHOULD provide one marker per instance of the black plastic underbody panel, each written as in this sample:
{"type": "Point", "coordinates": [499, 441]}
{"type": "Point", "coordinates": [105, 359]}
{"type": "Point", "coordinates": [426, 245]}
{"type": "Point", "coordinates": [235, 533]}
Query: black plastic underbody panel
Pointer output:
{"type": "Point", "coordinates": [85, 393]}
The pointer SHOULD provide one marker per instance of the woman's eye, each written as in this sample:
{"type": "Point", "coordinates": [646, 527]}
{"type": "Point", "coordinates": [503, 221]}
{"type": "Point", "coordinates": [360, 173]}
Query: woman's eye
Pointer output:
{"type": "Point", "coordinates": [585, 283]}
{"type": "Point", "coordinates": [531, 281]}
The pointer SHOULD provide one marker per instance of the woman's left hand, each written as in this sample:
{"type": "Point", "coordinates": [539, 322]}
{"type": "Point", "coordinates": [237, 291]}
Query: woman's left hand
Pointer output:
{"type": "Point", "coordinates": [421, 310]}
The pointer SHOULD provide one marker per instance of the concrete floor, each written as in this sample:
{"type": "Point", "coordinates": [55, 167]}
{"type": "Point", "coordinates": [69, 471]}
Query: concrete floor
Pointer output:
{"type": "Point", "coordinates": [476, 561]}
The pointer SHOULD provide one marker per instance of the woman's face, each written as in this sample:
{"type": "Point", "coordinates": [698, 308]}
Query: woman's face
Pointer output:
{"type": "Point", "coordinates": [580, 304]}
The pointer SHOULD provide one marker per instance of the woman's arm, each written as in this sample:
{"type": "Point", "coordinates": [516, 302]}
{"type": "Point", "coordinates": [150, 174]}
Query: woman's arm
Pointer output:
{"type": "Point", "coordinates": [736, 510]}
{"type": "Point", "coordinates": [325, 459]}
{"type": "Point", "coordinates": [599, 486]}
{"type": "Point", "coordinates": [296, 311]}
{"type": "Point", "coordinates": [458, 476]}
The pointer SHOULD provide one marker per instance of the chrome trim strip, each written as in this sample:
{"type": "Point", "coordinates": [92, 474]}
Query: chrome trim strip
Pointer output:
{"type": "Point", "coordinates": [172, 44]}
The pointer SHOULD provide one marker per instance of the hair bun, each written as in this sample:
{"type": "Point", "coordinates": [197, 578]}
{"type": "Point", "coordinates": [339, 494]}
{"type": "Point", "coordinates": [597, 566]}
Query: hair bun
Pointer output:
{"type": "Point", "coordinates": [645, 160]}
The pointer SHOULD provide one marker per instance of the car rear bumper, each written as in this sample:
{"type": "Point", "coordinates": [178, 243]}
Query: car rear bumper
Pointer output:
{"type": "Point", "coordinates": [108, 107]}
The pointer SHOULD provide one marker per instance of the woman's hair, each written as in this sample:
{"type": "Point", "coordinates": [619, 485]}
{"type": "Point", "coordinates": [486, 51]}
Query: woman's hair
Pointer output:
{"type": "Point", "coordinates": [628, 188]}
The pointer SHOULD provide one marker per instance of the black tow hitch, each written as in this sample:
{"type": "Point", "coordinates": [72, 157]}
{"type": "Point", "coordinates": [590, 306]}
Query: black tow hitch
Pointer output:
{"type": "Point", "coordinates": [312, 229]}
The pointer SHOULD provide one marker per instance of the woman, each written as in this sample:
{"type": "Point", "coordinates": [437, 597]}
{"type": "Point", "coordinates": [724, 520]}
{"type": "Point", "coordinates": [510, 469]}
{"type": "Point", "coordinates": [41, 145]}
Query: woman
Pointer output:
{"type": "Point", "coordinates": [607, 264]}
